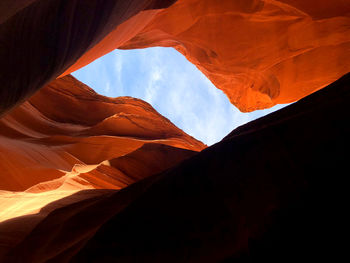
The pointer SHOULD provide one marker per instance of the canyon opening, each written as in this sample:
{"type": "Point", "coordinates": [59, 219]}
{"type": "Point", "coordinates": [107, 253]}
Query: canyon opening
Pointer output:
{"type": "Point", "coordinates": [136, 131]}
{"type": "Point", "coordinates": [173, 86]}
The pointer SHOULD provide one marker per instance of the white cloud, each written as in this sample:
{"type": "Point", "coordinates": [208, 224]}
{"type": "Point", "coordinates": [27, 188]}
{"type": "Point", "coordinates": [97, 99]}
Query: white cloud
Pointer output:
{"type": "Point", "coordinates": [151, 78]}
{"type": "Point", "coordinates": [107, 88]}
{"type": "Point", "coordinates": [153, 85]}
{"type": "Point", "coordinates": [174, 87]}
{"type": "Point", "coordinates": [118, 67]}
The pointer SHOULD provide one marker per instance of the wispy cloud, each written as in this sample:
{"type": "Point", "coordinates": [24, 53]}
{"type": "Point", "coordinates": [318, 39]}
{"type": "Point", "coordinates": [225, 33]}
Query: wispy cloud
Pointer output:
{"type": "Point", "coordinates": [107, 88]}
{"type": "Point", "coordinates": [179, 91]}
{"type": "Point", "coordinates": [174, 87]}
{"type": "Point", "coordinates": [153, 85]}
{"type": "Point", "coordinates": [118, 67]}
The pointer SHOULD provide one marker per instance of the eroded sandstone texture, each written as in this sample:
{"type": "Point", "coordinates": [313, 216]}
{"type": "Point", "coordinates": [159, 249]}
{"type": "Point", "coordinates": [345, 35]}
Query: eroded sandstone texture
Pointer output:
{"type": "Point", "coordinates": [40, 39]}
{"type": "Point", "coordinates": [259, 52]}
{"type": "Point", "coordinates": [88, 178]}
{"type": "Point", "coordinates": [67, 123]}
{"type": "Point", "coordinates": [68, 138]}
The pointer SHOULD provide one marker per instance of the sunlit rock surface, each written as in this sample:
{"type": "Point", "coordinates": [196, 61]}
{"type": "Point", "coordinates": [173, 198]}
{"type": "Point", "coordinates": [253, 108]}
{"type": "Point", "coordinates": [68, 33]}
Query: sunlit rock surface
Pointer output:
{"type": "Point", "coordinates": [68, 138]}
{"type": "Point", "coordinates": [259, 52]}
{"type": "Point", "coordinates": [67, 123]}
{"type": "Point", "coordinates": [89, 178]}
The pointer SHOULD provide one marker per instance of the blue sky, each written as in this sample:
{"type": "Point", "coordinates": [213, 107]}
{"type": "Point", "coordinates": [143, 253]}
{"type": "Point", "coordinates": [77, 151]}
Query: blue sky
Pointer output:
{"type": "Point", "coordinates": [172, 85]}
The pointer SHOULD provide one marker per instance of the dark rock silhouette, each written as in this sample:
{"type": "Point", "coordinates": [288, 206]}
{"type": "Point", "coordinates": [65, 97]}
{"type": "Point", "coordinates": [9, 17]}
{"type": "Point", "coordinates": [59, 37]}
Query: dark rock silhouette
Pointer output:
{"type": "Point", "coordinates": [271, 190]}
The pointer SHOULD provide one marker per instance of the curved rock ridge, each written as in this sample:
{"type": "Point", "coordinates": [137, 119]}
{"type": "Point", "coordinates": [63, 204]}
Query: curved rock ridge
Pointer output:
{"type": "Point", "coordinates": [259, 52]}
{"type": "Point", "coordinates": [67, 138]}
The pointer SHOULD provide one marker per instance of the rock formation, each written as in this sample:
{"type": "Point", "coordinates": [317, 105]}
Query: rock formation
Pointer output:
{"type": "Point", "coordinates": [259, 52]}
{"type": "Point", "coordinates": [67, 138]}
{"type": "Point", "coordinates": [67, 123]}
{"type": "Point", "coordinates": [87, 178]}
{"type": "Point", "coordinates": [271, 191]}
{"type": "Point", "coordinates": [40, 39]}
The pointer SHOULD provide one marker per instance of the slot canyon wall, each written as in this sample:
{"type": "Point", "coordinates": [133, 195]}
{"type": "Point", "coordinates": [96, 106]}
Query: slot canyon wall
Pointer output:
{"type": "Point", "coordinates": [272, 190]}
{"type": "Point", "coordinates": [88, 178]}
{"type": "Point", "coordinates": [67, 138]}
{"type": "Point", "coordinates": [259, 52]}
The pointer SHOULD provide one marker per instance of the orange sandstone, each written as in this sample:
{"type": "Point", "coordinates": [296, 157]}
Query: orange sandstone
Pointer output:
{"type": "Point", "coordinates": [272, 190]}
{"type": "Point", "coordinates": [68, 138]}
{"type": "Point", "coordinates": [65, 145]}
{"type": "Point", "coordinates": [259, 52]}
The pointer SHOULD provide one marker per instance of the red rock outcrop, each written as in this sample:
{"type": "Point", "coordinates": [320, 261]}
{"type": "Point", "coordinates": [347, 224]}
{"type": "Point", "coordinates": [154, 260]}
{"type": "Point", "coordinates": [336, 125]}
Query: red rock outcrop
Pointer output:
{"type": "Point", "coordinates": [259, 52]}
{"type": "Point", "coordinates": [67, 138]}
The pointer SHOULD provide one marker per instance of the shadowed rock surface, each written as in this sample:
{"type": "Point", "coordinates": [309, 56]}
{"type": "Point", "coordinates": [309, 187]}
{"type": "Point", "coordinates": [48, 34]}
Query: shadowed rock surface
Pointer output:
{"type": "Point", "coordinates": [40, 39]}
{"type": "Point", "coordinates": [271, 190]}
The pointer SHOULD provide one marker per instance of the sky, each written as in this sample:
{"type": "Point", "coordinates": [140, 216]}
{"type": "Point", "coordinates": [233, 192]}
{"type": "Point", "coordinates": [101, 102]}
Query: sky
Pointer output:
{"type": "Point", "coordinates": [172, 85]}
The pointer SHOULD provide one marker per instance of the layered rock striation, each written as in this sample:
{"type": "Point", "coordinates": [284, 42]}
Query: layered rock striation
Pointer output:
{"type": "Point", "coordinates": [259, 52]}
{"type": "Point", "coordinates": [67, 138]}
{"type": "Point", "coordinates": [67, 124]}
{"type": "Point", "coordinates": [87, 178]}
